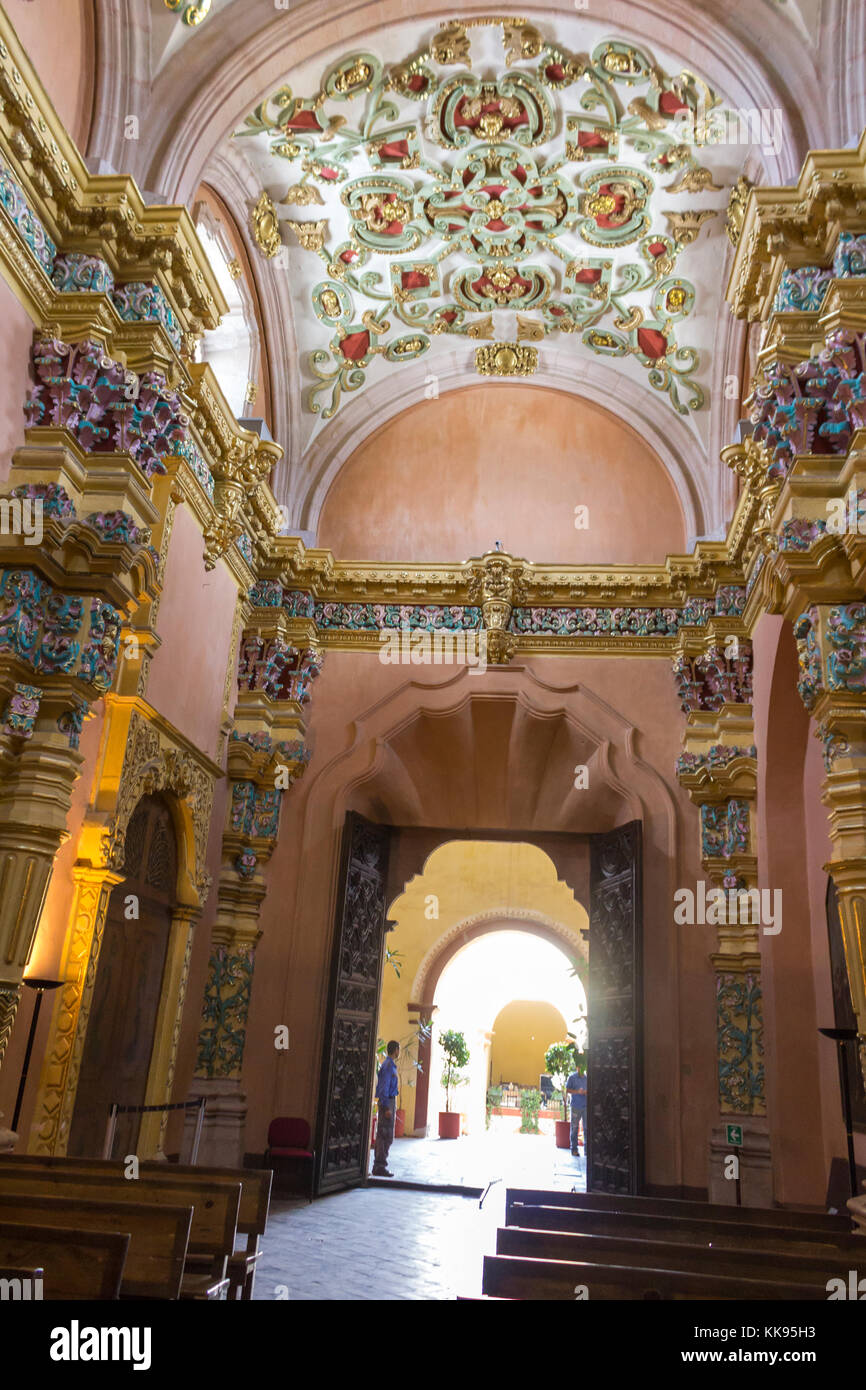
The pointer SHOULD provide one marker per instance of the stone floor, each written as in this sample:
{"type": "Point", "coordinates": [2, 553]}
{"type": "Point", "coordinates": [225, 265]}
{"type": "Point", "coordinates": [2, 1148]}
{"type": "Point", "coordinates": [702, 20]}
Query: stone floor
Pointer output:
{"type": "Point", "coordinates": [383, 1241]}
{"type": "Point", "coordinates": [498, 1154]}
{"type": "Point", "coordinates": [374, 1244]}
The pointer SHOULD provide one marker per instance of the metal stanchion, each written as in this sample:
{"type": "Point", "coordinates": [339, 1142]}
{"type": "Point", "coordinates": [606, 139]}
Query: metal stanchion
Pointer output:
{"type": "Point", "coordinates": [110, 1128]}
{"type": "Point", "coordinates": [198, 1124]}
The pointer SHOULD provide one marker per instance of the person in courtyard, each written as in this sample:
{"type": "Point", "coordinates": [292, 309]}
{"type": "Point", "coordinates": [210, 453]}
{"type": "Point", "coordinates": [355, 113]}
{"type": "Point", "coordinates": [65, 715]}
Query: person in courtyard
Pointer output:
{"type": "Point", "coordinates": [575, 1087]}
{"type": "Point", "coordinates": [387, 1087]}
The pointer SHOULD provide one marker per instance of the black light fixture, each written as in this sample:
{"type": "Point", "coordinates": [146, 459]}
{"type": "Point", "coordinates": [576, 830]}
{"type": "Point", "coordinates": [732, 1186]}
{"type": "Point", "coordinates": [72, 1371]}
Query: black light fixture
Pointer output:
{"type": "Point", "coordinates": [841, 1037]}
{"type": "Point", "coordinates": [40, 986]}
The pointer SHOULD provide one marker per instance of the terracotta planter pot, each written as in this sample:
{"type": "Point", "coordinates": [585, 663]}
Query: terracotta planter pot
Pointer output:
{"type": "Point", "coordinates": [563, 1134]}
{"type": "Point", "coordinates": [449, 1124]}
{"type": "Point", "coordinates": [399, 1124]}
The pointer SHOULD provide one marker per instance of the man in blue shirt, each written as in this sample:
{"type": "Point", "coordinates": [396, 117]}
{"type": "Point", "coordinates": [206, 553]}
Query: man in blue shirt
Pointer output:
{"type": "Point", "coordinates": [575, 1087]}
{"type": "Point", "coordinates": [387, 1087]}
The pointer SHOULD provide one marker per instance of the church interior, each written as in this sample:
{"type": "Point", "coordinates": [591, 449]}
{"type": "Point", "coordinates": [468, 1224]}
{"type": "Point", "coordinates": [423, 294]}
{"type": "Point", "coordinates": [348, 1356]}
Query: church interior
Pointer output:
{"type": "Point", "coordinates": [433, 578]}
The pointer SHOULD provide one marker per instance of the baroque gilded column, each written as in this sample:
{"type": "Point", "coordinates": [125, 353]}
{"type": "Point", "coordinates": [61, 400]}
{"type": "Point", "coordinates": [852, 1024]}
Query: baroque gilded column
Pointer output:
{"type": "Point", "coordinates": [800, 532]}
{"type": "Point", "coordinates": [718, 768]}
{"type": "Point", "coordinates": [266, 754]}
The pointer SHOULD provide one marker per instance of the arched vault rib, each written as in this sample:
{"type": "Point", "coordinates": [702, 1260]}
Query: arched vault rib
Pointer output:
{"type": "Point", "coordinates": [225, 69]}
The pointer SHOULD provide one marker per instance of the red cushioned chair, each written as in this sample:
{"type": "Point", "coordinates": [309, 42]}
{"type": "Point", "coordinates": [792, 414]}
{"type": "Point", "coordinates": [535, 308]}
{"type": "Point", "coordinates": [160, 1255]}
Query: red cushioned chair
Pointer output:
{"type": "Point", "coordinates": [289, 1143]}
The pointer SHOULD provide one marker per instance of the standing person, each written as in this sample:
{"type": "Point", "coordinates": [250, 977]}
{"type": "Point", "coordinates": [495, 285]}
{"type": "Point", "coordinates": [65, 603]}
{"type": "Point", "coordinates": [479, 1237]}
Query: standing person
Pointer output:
{"type": "Point", "coordinates": [387, 1087]}
{"type": "Point", "coordinates": [575, 1087]}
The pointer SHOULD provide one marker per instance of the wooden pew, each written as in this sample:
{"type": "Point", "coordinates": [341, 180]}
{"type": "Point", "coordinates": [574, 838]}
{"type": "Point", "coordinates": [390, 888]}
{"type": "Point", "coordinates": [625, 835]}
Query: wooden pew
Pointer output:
{"type": "Point", "coordinates": [252, 1213]}
{"type": "Point", "coordinates": [158, 1235]}
{"type": "Point", "coordinates": [510, 1276]}
{"type": "Point", "coordinates": [672, 1206]}
{"type": "Point", "coordinates": [643, 1226]}
{"type": "Point", "coordinates": [76, 1264]}
{"type": "Point", "coordinates": [22, 1274]}
{"type": "Point", "coordinates": [796, 1267]}
{"type": "Point", "coordinates": [214, 1220]}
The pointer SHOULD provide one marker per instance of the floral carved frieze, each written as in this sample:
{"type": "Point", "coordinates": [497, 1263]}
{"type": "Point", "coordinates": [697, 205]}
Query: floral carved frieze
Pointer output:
{"type": "Point", "coordinates": [740, 1042]}
{"type": "Point", "coordinates": [719, 676]}
{"type": "Point", "coordinates": [79, 389]}
{"type": "Point", "coordinates": [831, 651]}
{"type": "Point", "coordinates": [152, 764]}
{"type": "Point", "coordinates": [56, 633]}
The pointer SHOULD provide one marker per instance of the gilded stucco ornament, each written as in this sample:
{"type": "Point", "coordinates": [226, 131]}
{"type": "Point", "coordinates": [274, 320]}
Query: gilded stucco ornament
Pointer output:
{"type": "Point", "coordinates": [449, 196]}
{"type": "Point", "coordinates": [190, 12]}
{"type": "Point", "coordinates": [265, 226]}
{"type": "Point", "coordinates": [506, 359]}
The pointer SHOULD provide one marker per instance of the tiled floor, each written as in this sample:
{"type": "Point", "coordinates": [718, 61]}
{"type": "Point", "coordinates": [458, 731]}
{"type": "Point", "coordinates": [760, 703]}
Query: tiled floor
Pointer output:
{"type": "Point", "coordinates": [372, 1243]}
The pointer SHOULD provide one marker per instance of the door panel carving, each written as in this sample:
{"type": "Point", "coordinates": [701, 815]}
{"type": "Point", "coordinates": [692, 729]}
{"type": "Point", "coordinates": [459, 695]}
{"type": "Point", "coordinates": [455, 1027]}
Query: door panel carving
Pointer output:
{"type": "Point", "coordinates": [120, 1030]}
{"type": "Point", "coordinates": [615, 1071]}
{"type": "Point", "coordinates": [350, 1036]}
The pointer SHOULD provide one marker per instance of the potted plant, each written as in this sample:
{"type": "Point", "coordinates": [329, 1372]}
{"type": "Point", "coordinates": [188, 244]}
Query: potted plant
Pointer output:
{"type": "Point", "coordinates": [494, 1099]}
{"type": "Point", "coordinates": [408, 1067]}
{"type": "Point", "coordinates": [530, 1104]}
{"type": "Point", "coordinates": [453, 1044]}
{"type": "Point", "coordinates": [561, 1060]}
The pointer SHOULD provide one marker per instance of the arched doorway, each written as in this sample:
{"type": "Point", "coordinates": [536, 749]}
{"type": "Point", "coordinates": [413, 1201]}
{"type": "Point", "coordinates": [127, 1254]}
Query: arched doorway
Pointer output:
{"type": "Point", "coordinates": [120, 1033]}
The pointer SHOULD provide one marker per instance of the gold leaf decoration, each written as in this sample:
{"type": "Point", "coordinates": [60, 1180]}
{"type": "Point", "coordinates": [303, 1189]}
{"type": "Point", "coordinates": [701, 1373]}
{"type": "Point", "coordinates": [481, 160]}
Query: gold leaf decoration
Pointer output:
{"type": "Point", "coordinates": [266, 226]}
{"type": "Point", "coordinates": [529, 330]}
{"type": "Point", "coordinates": [685, 226]}
{"type": "Point", "coordinates": [506, 359]}
{"type": "Point", "coordinates": [311, 235]}
{"type": "Point", "coordinates": [697, 180]}
{"type": "Point", "coordinates": [301, 195]}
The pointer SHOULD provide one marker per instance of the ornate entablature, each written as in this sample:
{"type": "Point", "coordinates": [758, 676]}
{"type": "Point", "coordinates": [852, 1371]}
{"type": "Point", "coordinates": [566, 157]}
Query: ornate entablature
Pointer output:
{"type": "Point", "coordinates": [491, 172]}
{"type": "Point", "coordinates": [531, 609]}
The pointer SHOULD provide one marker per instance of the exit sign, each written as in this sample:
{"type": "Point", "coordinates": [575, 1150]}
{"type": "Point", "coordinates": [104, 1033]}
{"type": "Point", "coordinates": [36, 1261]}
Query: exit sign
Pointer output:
{"type": "Point", "coordinates": [735, 1135]}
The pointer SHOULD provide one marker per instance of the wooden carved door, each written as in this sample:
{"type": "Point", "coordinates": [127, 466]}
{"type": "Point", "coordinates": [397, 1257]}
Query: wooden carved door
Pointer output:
{"type": "Point", "coordinates": [120, 1031]}
{"type": "Point", "coordinates": [349, 1059]}
{"type": "Point", "coordinates": [843, 1010]}
{"type": "Point", "coordinates": [615, 1070]}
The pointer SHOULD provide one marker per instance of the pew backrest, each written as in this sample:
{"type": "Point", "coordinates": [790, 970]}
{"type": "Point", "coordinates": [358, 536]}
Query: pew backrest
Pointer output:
{"type": "Point", "coordinates": [215, 1206]}
{"type": "Point", "coordinates": [684, 1210]}
{"type": "Point", "coordinates": [255, 1182]}
{"type": "Point", "coordinates": [706, 1258]}
{"type": "Point", "coordinates": [511, 1276]}
{"type": "Point", "coordinates": [158, 1236]}
{"type": "Point", "coordinates": [668, 1228]}
{"type": "Point", "coordinates": [76, 1264]}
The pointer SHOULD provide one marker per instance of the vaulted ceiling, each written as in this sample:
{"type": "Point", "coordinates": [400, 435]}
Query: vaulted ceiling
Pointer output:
{"type": "Point", "coordinates": [540, 181]}
{"type": "Point", "coordinates": [443, 191]}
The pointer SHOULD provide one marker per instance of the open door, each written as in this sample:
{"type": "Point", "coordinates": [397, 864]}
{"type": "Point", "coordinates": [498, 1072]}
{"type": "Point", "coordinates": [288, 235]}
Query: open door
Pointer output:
{"type": "Point", "coordinates": [349, 1058]}
{"type": "Point", "coordinates": [614, 1006]}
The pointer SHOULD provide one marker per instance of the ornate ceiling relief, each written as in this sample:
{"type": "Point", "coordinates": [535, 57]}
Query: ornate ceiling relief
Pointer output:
{"type": "Point", "coordinates": [493, 185]}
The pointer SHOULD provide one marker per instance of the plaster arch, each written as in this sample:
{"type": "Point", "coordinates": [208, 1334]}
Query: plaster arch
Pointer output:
{"type": "Point", "coordinates": [215, 71]}
{"type": "Point", "coordinates": [448, 946]}
{"type": "Point", "coordinates": [357, 774]}
{"type": "Point", "coordinates": [482, 924]}
{"type": "Point", "coordinates": [667, 434]}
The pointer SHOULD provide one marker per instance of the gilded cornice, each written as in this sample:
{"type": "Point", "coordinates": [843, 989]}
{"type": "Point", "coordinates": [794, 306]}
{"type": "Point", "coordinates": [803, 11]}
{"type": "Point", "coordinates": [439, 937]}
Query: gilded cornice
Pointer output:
{"type": "Point", "coordinates": [328, 578]}
{"type": "Point", "coordinates": [102, 215]}
{"type": "Point", "coordinates": [791, 227]}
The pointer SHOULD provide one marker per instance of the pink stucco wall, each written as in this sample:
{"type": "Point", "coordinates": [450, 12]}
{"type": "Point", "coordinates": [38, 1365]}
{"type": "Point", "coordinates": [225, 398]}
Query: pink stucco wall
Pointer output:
{"type": "Point", "coordinates": [187, 676]}
{"type": "Point", "coordinates": [448, 477]}
{"type": "Point", "coordinates": [59, 37]}
{"type": "Point", "coordinates": [16, 335]}
{"type": "Point", "coordinates": [429, 747]}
